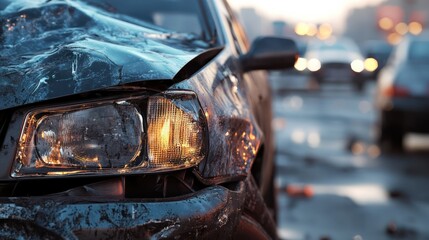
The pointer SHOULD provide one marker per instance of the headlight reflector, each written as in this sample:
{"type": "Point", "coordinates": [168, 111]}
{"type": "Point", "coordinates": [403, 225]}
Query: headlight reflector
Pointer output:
{"type": "Point", "coordinates": [174, 136]}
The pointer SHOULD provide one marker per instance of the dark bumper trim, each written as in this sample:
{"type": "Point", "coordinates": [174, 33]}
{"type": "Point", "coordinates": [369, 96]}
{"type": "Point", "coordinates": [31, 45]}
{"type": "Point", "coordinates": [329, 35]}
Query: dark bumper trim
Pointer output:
{"type": "Point", "coordinates": [213, 212]}
{"type": "Point", "coordinates": [408, 121]}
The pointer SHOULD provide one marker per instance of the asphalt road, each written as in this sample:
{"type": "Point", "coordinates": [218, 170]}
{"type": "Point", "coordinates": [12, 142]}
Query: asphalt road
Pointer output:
{"type": "Point", "coordinates": [333, 181]}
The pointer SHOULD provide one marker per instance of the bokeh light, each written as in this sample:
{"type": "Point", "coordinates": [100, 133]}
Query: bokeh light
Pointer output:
{"type": "Point", "coordinates": [401, 28]}
{"type": "Point", "coordinates": [314, 65]}
{"type": "Point", "coordinates": [325, 31]}
{"type": "Point", "coordinates": [358, 148]}
{"type": "Point", "coordinates": [415, 28]}
{"type": "Point", "coordinates": [301, 64]}
{"type": "Point", "coordinates": [312, 30]}
{"type": "Point", "coordinates": [301, 29]}
{"type": "Point", "coordinates": [357, 66]}
{"type": "Point", "coordinates": [298, 136]}
{"type": "Point", "coordinates": [313, 139]}
{"type": "Point", "coordinates": [371, 64]}
{"type": "Point", "coordinates": [394, 38]}
{"type": "Point", "coordinates": [385, 23]}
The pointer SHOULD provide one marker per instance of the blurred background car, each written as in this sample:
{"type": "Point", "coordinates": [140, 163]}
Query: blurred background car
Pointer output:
{"type": "Point", "coordinates": [403, 92]}
{"type": "Point", "coordinates": [336, 61]}
{"type": "Point", "coordinates": [330, 167]}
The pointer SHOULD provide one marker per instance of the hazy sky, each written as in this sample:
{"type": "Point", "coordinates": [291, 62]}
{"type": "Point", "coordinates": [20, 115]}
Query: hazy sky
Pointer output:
{"type": "Point", "coordinates": [317, 11]}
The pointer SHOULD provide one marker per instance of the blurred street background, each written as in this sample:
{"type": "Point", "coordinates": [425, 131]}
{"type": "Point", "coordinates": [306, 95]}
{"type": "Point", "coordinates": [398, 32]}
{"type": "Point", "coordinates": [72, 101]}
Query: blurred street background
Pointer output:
{"type": "Point", "coordinates": [335, 179]}
{"type": "Point", "coordinates": [334, 182]}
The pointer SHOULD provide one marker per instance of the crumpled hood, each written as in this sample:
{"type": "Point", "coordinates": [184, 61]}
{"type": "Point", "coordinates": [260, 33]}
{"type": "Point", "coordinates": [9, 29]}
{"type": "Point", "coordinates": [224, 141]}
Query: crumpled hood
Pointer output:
{"type": "Point", "coordinates": [52, 49]}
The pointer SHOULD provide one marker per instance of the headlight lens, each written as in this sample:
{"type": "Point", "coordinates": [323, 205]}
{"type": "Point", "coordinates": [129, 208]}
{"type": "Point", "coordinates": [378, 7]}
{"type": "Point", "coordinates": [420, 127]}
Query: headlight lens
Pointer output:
{"type": "Point", "coordinates": [139, 134]}
{"type": "Point", "coordinates": [100, 137]}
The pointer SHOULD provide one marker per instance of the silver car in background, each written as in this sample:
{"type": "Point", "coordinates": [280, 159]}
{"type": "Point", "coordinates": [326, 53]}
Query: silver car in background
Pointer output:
{"type": "Point", "coordinates": [337, 61]}
{"type": "Point", "coordinates": [403, 92]}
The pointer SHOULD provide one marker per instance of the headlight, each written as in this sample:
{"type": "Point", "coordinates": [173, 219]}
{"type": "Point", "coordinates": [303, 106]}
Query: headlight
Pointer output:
{"type": "Point", "coordinates": [139, 134]}
{"type": "Point", "coordinates": [301, 64]}
{"type": "Point", "coordinates": [314, 65]}
{"type": "Point", "coordinates": [371, 64]}
{"type": "Point", "coordinates": [357, 66]}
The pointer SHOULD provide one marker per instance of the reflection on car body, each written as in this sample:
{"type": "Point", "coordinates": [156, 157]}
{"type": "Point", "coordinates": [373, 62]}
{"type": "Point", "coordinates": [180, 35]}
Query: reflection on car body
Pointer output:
{"type": "Point", "coordinates": [116, 122]}
{"type": "Point", "coordinates": [403, 91]}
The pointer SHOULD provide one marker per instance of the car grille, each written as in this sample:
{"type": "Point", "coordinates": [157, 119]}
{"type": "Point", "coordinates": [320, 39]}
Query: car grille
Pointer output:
{"type": "Point", "coordinates": [337, 65]}
{"type": "Point", "coordinates": [336, 72]}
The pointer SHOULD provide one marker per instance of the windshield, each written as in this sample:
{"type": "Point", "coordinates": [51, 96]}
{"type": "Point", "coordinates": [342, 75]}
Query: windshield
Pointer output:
{"type": "Point", "coordinates": [182, 16]}
{"type": "Point", "coordinates": [337, 46]}
{"type": "Point", "coordinates": [171, 16]}
{"type": "Point", "coordinates": [419, 51]}
{"type": "Point", "coordinates": [333, 47]}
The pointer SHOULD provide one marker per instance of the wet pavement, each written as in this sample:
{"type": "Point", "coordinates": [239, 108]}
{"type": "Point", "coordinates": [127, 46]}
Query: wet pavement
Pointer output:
{"type": "Point", "coordinates": [334, 182]}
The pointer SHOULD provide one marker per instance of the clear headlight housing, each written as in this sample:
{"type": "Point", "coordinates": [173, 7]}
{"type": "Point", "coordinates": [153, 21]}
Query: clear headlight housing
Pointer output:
{"type": "Point", "coordinates": [140, 134]}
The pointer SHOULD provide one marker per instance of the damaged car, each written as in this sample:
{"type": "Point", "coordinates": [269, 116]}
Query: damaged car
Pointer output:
{"type": "Point", "coordinates": [135, 120]}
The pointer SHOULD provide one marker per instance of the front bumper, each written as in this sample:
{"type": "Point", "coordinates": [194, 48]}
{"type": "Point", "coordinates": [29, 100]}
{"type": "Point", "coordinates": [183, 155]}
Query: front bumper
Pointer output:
{"type": "Point", "coordinates": [406, 114]}
{"type": "Point", "coordinates": [338, 75]}
{"type": "Point", "coordinates": [408, 121]}
{"type": "Point", "coordinates": [211, 213]}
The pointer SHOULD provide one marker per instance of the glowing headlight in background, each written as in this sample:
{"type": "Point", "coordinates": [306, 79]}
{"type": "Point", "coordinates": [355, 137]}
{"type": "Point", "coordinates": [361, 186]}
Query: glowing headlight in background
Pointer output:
{"type": "Point", "coordinates": [139, 134]}
{"type": "Point", "coordinates": [371, 64]}
{"type": "Point", "coordinates": [301, 64]}
{"type": "Point", "coordinates": [314, 65]}
{"type": "Point", "coordinates": [357, 66]}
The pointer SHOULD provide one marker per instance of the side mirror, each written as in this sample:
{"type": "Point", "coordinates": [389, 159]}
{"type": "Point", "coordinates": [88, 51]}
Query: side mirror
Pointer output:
{"type": "Point", "coordinates": [270, 53]}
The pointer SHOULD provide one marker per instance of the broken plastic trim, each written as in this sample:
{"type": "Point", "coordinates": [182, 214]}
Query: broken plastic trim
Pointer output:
{"type": "Point", "coordinates": [4, 118]}
{"type": "Point", "coordinates": [196, 64]}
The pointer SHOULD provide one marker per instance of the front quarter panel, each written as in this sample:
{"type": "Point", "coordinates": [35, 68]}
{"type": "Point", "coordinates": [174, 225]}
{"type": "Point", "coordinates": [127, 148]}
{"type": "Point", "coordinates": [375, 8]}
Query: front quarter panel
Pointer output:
{"type": "Point", "coordinates": [234, 135]}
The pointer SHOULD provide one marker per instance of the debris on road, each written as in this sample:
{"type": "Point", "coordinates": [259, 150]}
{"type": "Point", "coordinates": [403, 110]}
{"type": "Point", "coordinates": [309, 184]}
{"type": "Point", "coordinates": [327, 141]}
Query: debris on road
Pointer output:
{"type": "Point", "coordinates": [325, 238]}
{"type": "Point", "coordinates": [397, 194]}
{"type": "Point", "coordinates": [300, 191]}
{"type": "Point", "coordinates": [393, 230]}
